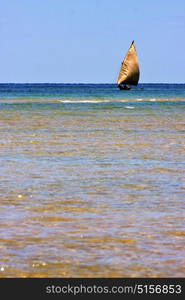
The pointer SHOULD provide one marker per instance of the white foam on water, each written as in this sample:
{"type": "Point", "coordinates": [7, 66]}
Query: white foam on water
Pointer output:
{"type": "Point", "coordinates": [130, 107]}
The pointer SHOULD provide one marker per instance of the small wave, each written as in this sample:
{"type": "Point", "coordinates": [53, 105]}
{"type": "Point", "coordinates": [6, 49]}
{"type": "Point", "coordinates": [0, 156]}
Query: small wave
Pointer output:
{"type": "Point", "coordinates": [96, 101]}
{"type": "Point", "coordinates": [130, 107]}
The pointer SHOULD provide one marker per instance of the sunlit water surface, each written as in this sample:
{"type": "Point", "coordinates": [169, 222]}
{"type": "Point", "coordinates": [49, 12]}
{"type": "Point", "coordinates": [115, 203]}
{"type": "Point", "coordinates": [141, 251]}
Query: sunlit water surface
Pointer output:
{"type": "Point", "coordinates": [92, 189]}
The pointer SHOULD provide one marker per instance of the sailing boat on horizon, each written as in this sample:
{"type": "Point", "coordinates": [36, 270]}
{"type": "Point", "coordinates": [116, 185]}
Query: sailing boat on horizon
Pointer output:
{"type": "Point", "coordinates": [129, 72]}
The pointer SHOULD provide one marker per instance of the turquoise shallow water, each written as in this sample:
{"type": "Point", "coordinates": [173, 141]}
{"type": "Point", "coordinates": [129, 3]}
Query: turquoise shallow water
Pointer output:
{"type": "Point", "coordinates": [92, 188]}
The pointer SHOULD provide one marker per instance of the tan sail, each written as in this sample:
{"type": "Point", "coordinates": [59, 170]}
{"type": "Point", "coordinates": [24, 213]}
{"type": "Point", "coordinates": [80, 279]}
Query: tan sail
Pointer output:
{"type": "Point", "coordinates": [129, 72]}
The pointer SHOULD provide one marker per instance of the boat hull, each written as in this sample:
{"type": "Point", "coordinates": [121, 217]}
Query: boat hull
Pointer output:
{"type": "Point", "coordinates": [124, 88]}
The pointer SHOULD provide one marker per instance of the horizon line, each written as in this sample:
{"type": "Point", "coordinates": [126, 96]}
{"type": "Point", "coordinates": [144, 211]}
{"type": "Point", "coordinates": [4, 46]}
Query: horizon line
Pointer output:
{"type": "Point", "coordinates": [87, 83]}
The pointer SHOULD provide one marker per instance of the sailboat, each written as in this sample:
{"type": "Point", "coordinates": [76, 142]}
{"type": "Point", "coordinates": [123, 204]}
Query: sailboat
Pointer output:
{"type": "Point", "coordinates": [129, 72]}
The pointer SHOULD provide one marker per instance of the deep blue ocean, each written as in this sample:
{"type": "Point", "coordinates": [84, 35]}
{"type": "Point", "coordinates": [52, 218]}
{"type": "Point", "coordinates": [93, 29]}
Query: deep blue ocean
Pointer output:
{"type": "Point", "coordinates": [90, 92]}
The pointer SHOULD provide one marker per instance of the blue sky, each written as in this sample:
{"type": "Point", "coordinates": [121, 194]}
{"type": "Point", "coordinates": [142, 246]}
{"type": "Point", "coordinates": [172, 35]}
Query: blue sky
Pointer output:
{"type": "Point", "coordinates": [85, 40]}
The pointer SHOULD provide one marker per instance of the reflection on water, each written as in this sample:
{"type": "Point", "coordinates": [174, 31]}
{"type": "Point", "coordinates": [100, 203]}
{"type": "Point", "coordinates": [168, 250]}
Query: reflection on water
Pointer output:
{"type": "Point", "coordinates": [92, 190]}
